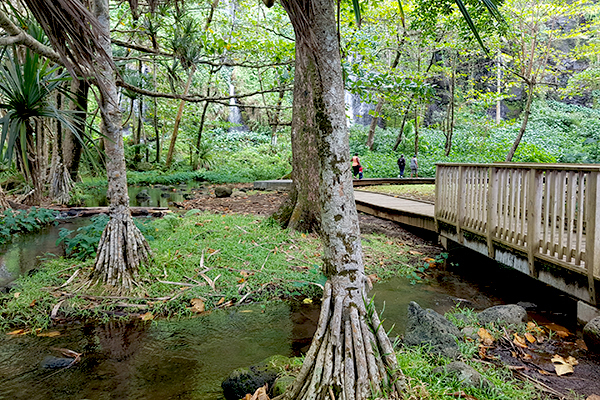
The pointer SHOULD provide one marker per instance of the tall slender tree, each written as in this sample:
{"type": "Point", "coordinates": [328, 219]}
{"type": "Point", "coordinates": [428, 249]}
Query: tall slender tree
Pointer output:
{"type": "Point", "coordinates": [82, 38]}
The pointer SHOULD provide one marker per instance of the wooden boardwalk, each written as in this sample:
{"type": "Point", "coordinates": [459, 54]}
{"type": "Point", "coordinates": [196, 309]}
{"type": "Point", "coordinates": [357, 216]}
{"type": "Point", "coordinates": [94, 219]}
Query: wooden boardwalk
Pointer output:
{"type": "Point", "coordinates": [409, 212]}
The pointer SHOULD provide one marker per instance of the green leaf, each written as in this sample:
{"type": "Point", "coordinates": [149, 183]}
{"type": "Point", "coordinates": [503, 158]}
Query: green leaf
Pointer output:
{"type": "Point", "coordinates": [469, 21]}
{"type": "Point", "coordinates": [356, 7]}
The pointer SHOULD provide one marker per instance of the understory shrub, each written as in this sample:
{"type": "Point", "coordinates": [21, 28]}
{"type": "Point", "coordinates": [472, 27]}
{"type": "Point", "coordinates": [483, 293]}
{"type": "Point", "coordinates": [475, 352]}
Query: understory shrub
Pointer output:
{"type": "Point", "coordinates": [24, 221]}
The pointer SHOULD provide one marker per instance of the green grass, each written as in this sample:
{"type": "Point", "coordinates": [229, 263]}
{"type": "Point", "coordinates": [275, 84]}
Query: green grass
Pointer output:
{"type": "Point", "coordinates": [246, 258]}
{"type": "Point", "coordinates": [418, 192]}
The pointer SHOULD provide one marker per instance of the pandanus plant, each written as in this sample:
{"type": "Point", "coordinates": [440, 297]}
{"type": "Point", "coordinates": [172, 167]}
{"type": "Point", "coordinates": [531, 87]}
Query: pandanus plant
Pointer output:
{"type": "Point", "coordinates": [27, 88]}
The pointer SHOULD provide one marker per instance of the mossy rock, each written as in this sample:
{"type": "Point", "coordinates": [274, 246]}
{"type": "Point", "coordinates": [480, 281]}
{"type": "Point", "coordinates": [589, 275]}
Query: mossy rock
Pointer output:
{"type": "Point", "coordinates": [282, 384]}
{"type": "Point", "coordinates": [244, 381]}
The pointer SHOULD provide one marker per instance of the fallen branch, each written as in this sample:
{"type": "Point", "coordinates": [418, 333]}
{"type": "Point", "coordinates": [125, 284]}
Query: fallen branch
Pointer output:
{"type": "Point", "coordinates": [177, 283]}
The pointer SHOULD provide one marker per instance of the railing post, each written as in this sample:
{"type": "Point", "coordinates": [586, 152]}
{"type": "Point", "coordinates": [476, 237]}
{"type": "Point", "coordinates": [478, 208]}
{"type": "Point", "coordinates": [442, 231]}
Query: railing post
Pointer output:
{"type": "Point", "coordinates": [436, 206]}
{"type": "Point", "coordinates": [460, 204]}
{"type": "Point", "coordinates": [492, 200]}
{"type": "Point", "coordinates": [592, 233]}
{"type": "Point", "coordinates": [534, 214]}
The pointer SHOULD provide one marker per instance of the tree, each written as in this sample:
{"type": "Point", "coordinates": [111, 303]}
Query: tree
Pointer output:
{"type": "Point", "coordinates": [535, 28]}
{"type": "Point", "coordinates": [82, 38]}
{"type": "Point", "coordinates": [350, 356]}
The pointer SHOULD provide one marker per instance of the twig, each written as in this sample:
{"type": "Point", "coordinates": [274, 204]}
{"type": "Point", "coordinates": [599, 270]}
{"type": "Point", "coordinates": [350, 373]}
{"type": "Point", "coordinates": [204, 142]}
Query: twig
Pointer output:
{"type": "Point", "coordinates": [70, 279]}
{"type": "Point", "coordinates": [241, 229]}
{"type": "Point", "coordinates": [177, 283]}
{"type": "Point", "coordinates": [263, 265]}
{"type": "Point", "coordinates": [195, 281]}
{"type": "Point", "coordinates": [56, 308]}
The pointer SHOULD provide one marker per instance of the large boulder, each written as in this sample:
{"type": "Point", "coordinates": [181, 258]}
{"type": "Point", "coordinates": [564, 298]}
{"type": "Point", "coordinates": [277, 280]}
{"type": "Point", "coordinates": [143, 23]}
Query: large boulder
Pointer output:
{"type": "Point", "coordinates": [143, 195]}
{"type": "Point", "coordinates": [465, 374]}
{"type": "Point", "coordinates": [222, 191]}
{"type": "Point", "coordinates": [244, 381]}
{"type": "Point", "coordinates": [591, 335]}
{"type": "Point", "coordinates": [504, 314]}
{"type": "Point", "coordinates": [427, 327]}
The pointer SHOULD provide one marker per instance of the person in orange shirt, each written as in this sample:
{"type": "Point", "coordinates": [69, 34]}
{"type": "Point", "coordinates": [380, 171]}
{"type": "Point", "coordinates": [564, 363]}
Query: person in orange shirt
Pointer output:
{"type": "Point", "coordinates": [355, 165]}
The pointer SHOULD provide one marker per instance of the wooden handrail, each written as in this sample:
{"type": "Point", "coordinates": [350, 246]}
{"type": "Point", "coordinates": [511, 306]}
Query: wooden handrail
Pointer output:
{"type": "Point", "coordinates": [550, 212]}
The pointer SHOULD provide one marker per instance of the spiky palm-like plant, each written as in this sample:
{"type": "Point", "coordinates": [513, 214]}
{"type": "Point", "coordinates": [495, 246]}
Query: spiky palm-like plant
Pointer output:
{"type": "Point", "coordinates": [26, 91]}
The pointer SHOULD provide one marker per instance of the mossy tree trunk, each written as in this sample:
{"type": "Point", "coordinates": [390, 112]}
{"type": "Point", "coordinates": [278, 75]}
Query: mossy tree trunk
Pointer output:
{"type": "Point", "coordinates": [351, 356]}
{"type": "Point", "coordinates": [302, 209]}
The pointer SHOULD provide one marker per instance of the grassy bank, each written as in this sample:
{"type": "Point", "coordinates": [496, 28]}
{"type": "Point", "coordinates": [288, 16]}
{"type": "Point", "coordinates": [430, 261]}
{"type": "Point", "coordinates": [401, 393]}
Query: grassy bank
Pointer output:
{"type": "Point", "coordinates": [202, 261]}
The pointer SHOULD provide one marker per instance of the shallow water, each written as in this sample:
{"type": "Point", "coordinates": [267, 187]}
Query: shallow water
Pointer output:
{"type": "Point", "coordinates": [27, 251]}
{"type": "Point", "coordinates": [189, 358]}
{"type": "Point", "coordinates": [158, 195]}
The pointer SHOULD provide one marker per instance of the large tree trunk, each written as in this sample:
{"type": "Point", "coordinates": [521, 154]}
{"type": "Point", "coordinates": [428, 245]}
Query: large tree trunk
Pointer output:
{"type": "Point", "coordinates": [72, 144]}
{"type": "Point", "coordinates": [122, 246]}
{"type": "Point", "coordinates": [346, 359]}
{"type": "Point", "coordinates": [527, 110]}
{"type": "Point", "coordinates": [302, 210]}
{"type": "Point", "coordinates": [373, 126]}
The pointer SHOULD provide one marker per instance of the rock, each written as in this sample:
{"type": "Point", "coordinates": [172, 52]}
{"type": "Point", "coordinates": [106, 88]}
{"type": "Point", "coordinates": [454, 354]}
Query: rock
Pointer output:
{"type": "Point", "coordinates": [466, 374]}
{"type": "Point", "coordinates": [591, 335]}
{"type": "Point", "coordinates": [51, 362]}
{"type": "Point", "coordinates": [238, 193]}
{"type": "Point", "coordinates": [189, 196]}
{"type": "Point", "coordinates": [470, 332]}
{"type": "Point", "coordinates": [143, 195]}
{"type": "Point", "coordinates": [281, 384]}
{"type": "Point", "coordinates": [246, 380]}
{"type": "Point", "coordinates": [427, 327]}
{"type": "Point", "coordinates": [527, 305]}
{"type": "Point", "coordinates": [504, 314]}
{"type": "Point", "coordinates": [222, 191]}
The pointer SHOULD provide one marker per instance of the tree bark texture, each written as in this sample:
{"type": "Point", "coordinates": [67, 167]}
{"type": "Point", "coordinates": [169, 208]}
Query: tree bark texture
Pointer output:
{"type": "Point", "coordinates": [71, 143]}
{"type": "Point", "coordinates": [351, 356]}
{"type": "Point", "coordinates": [373, 126]}
{"type": "Point", "coordinates": [527, 110]}
{"type": "Point", "coordinates": [302, 209]}
{"type": "Point", "coordinates": [122, 246]}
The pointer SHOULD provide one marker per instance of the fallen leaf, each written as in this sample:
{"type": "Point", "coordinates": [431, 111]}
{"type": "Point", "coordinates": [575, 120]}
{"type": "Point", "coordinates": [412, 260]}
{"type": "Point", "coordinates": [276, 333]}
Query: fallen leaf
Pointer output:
{"type": "Point", "coordinates": [221, 300]}
{"type": "Point", "coordinates": [17, 294]}
{"type": "Point", "coordinates": [530, 338]}
{"type": "Point", "coordinates": [429, 260]}
{"type": "Point", "coordinates": [49, 334]}
{"type": "Point", "coordinates": [516, 367]}
{"type": "Point", "coordinates": [147, 317]}
{"type": "Point", "coordinates": [307, 301]}
{"type": "Point", "coordinates": [562, 366]}
{"type": "Point", "coordinates": [32, 304]}
{"type": "Point", "coordinates": [17, 332]}
{"type": "Point", "coordinates": [415, 253]}
{"type": "Point", "coordinates": [260, 394]}
{"type": "Point", "coordinates": [519, 341]}
{"type": "Point", "coordinates": [246, 311]}
{"type": "Point", "coordinates": [593, 397]}
{"type": "Point", "coordinates": [562, 334]}
{"type": "Point", "coordinates": [486, 338]}
{"type": "Point", "coordinates": [197, 305]}
{"type": "Point", "coordinates": [581, 345]}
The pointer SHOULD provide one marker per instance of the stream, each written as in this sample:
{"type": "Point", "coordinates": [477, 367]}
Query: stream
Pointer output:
{"type": "Point", "coordinates": [189, 358]}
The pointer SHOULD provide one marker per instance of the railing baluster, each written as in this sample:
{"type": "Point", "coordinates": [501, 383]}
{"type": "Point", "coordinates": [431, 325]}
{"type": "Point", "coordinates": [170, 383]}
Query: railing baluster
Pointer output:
{"type": "Point", "coordinates": [571, 182]}
{"type": "Point", "coordinates": [580, 209]}
{"type": "Point", "coordinates": [561, 214]}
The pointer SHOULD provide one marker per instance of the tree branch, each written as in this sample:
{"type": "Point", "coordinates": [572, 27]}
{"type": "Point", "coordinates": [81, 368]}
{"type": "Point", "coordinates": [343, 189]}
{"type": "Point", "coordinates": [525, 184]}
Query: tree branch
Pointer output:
{"type": "Point", "coordinates": [192, 98]}
{"type": "Point", "coordinates": [19, 36]}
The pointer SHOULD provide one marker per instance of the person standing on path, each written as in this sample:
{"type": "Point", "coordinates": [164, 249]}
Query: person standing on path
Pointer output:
{"type": "Point", "coordinates": [401, 165]}
{"type": "Point", "coordinates": [414, 167]}
{"type": "Point", "coordinates": [355, 165]}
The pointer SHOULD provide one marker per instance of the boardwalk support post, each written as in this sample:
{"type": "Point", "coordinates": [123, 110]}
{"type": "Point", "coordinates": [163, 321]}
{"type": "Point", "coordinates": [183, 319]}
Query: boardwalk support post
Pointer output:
{"type": "Point", "coordinates": [492, 203]}
{"type": "Point", "coordinates": [460, 203]}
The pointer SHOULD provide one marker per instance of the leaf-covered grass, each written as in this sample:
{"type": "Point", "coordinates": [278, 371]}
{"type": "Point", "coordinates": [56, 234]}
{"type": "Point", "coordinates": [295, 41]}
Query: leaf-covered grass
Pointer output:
{"type": "Point", "coordinates": [246, 259]}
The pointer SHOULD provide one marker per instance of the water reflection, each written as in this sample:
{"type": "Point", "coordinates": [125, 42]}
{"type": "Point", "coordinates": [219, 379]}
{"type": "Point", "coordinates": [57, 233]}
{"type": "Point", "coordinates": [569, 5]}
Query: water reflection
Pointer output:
{"type": "Point", "coordinates": [25, 253]}
{"type": "Point", "coordinates": [148, 196]}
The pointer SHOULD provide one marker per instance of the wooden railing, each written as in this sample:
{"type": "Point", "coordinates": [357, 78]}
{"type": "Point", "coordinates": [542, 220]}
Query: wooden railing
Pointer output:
{"type": "Point", "coordinates": [550, 212]}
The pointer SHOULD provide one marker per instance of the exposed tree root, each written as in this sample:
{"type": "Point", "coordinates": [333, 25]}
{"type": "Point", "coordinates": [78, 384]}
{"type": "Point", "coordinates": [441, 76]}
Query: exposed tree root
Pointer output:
{"type": "Point", "coordinates": [3, 202]}
{"type": "Point", "coordinates": [121, 250]}
{"type": "Point", "coordinates": [61, 185]}
{"type": "Point", "coordinates": [351, 356]}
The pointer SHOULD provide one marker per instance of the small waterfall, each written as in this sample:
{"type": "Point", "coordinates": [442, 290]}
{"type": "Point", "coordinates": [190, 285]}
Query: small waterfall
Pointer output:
{"type": "Point", "coordinates": [235, 115]}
